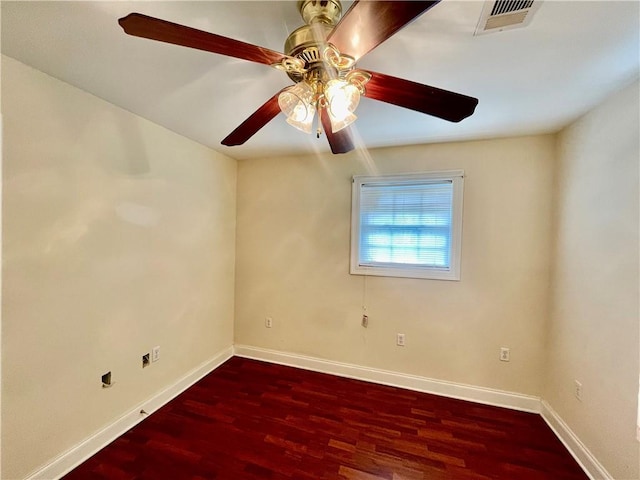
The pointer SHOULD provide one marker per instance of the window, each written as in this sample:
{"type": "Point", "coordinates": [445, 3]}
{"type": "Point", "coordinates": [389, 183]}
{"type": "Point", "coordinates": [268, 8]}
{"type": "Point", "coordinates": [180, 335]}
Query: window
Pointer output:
{"type": "Point", "coordinates": [407, 225]}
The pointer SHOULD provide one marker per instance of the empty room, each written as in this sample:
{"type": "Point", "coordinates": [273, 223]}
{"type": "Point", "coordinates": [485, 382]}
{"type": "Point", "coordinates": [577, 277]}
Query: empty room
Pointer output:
{"type": "Point", "coordinates": [321, 240]}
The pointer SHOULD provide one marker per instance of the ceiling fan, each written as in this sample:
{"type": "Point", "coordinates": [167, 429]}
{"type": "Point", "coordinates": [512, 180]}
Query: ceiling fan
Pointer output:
{"type": "Point", "coordinates": [321, 59]}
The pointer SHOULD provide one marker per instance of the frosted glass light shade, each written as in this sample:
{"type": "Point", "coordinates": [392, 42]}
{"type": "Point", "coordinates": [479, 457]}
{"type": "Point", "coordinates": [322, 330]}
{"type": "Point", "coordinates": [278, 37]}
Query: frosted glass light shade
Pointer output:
{"type": "Point", "coordinates": [342, 101]}
{"type": "Point", "coordinates": [339, 124]}
{"type": "Point", "coordinates": [296, 103]}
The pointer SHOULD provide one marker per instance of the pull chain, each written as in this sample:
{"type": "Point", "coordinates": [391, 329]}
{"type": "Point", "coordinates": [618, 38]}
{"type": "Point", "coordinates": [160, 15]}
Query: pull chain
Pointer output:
{"type": "Point", "coordinates": [319, 127]}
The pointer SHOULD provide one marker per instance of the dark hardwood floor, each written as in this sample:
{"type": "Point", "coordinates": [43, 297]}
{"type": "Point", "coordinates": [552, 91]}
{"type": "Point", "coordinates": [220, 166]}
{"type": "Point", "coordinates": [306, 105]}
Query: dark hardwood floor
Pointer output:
{"type": "Point", "coordinates": [254, 420]}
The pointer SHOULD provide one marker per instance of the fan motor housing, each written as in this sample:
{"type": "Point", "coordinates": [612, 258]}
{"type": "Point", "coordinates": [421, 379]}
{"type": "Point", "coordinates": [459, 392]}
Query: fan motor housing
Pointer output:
{"type": "Point", "coordinates": [308, 41]}
{"type": "Point", "coordinates": [305, 37]}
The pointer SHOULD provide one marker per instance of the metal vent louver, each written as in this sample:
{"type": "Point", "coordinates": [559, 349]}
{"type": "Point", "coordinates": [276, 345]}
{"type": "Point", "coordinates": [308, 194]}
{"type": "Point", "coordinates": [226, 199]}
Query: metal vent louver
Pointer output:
{"type": "Point", "coordinates": [500, 15]}
{"type": "Point", "coordinates": [508, 6]}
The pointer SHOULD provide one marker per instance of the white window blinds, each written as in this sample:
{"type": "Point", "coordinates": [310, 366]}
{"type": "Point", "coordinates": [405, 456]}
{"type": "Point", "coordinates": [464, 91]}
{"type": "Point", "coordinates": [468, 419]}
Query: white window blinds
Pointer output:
{"type": "Point", "coordinates": [407, 225]}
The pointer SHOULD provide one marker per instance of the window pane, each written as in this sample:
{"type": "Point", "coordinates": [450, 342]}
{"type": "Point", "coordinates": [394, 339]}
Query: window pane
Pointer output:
{"type": "Point", "coordinates": [406, 223]}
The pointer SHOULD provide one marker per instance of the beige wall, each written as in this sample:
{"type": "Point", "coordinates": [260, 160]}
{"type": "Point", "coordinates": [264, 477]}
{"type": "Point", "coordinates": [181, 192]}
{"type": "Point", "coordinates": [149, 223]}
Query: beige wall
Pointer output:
{"type": "Point", "coordinates": [594, 329]}
{"type": "Point", "coordinates": [118, 236]}
{"type": "Point", "coordinates": [293, 265]}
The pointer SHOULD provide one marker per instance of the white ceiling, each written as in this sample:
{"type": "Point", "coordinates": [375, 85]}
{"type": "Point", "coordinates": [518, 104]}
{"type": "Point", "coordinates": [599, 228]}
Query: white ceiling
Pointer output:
{"type": "Point", "coordinates": [531, 80]}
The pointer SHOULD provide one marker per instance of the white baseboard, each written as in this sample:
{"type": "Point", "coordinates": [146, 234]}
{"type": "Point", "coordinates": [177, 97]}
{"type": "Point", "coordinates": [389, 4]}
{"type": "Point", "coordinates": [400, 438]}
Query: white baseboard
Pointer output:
{"type": "Point", "coordinates": [591, 466]}
{"type": "Point", "coordinates": [73, 457]}
{"type": "Point", "coordinates": [487, 396]}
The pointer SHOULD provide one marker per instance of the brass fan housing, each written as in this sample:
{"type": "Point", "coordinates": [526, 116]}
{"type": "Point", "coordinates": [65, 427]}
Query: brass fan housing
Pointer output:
{"type": "Point", "coordinates": [307, 42]}
{"type": "Point", "coordinates": [325, 11]}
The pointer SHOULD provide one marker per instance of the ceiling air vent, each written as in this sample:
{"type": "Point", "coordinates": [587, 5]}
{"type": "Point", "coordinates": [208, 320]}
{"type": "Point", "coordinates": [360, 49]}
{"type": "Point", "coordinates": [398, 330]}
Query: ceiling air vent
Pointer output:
{"type": "Point", "coordinates": [499, 15]}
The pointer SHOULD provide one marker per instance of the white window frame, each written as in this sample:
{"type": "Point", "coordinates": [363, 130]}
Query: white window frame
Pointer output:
{"type": "Point", "coordinates": [456, 177]}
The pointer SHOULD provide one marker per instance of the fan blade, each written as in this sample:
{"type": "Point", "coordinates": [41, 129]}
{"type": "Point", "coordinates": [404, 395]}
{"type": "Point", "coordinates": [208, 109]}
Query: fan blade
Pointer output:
{"type": "Point", "coordinates": [421, 98]}
{"type": "Point", "coordinates": [140, 25]}
{"type": "Point", "coordinates": [341, 141]}
{"type": "Point", "coordinates": [255, 122]}
{"type": "Point", "coordinates": [369, 23]}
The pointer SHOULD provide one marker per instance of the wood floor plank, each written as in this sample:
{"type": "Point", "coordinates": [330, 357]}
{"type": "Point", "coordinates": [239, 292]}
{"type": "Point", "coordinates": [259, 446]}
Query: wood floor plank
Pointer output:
{"type": "Point", "coordinates": [251, 420]}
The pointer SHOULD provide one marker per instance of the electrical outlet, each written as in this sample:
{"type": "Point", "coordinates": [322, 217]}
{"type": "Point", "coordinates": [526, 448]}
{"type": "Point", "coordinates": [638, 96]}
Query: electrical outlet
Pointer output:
{"type": "Point", "coordinates": [505, 354]}
{"type": "Point", "coordinates": [155, 354]}
{"type": "Point", "coordinates": [268, 322]}
{"type": "Point", "coordinates": [577, 389]}
{"type": "Point", "coordinates": [400, 339]}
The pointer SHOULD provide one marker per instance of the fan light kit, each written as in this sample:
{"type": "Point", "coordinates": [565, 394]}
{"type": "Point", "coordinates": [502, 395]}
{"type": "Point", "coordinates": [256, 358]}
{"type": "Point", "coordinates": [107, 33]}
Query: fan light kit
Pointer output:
{"type": "Point", "coordinates": [325, 78]}
{"type": "Point", "coordinates": [321, 60]}
{"type": "Point", "coordinates": [339, 96]}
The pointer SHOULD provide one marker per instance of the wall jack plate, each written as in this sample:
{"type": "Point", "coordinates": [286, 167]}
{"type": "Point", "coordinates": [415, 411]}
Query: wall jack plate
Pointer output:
{"type": "Point", "coordinates": [577, 386]}
{"type": "Point", "coordinates": [505, 354]}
